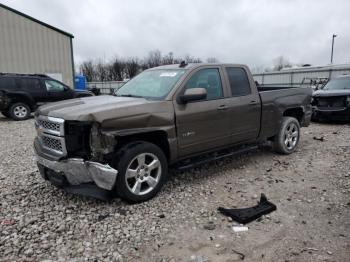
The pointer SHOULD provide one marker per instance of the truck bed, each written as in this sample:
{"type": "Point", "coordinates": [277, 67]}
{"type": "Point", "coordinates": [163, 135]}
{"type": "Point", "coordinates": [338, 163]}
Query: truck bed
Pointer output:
{"type": "Point", "coordinates": [275, 102]}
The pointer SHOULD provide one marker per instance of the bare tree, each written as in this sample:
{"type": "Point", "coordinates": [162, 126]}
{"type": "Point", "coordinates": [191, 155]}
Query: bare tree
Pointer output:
{"type": "Point", "coordinates": [87, 69]}
{"type": "Point", "coordinates": [212, 60]}
{"type": "Point", "coordinates": [121, 68]}
{"type": "Point", "coordinates": [153, 59]}
{"type": "Point", "coordinates": [101, 72]}
{"type": "Point", "coordinates": [191, 59]}
{"type": "Point", "coordinates": [132, 67]}
{"type": "Point", "coordinates": [281, 62]}
{"type": "Point", "coordinates": [118, 69]}
{"type": "Point", "coordinates": [168, 59]}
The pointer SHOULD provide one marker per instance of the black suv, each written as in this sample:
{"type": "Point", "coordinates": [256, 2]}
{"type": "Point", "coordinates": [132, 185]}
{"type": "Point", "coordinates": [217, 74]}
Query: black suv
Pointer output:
{"type": "Point", "coordinates": [22, 94]}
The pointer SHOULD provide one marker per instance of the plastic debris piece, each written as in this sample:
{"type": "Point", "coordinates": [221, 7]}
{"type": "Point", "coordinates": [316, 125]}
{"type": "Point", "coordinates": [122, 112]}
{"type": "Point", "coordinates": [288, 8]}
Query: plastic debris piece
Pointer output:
{"type": "Point", "coordinates": [239, 229]}
{"type": "Point", "coordinates": [246, 215]}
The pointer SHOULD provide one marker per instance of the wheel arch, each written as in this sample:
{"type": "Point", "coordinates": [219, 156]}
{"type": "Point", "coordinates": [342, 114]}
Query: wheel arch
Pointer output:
{"type": "Point", "coordinates": [296, 112]}
{"type": "Point", "coordinates": [158, 137]}
{"type": "Point", "coordinates": [21, 98]}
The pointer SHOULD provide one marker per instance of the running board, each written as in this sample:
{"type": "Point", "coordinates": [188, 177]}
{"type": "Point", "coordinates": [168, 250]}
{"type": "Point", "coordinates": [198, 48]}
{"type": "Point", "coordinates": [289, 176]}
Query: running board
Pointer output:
{"type": "Point", "coordinates": [200, 160]}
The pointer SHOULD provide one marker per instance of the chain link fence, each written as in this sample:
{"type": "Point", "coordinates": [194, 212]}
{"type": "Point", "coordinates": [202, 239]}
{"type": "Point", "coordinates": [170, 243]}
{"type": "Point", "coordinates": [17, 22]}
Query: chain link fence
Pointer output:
{"type": "Point", "coordinates": [104, 88]}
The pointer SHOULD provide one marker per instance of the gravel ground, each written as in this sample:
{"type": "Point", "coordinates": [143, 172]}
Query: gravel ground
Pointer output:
{"type": "Point", "coordinates": [311, 189]}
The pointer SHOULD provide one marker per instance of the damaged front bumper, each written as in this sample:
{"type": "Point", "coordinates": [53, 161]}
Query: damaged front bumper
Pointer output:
{"type": "Point", "coordinates": [78, 176]}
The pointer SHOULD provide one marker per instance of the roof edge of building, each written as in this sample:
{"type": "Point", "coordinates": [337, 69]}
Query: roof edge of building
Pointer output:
{"type": "Point", "coordinates": [36, 20]}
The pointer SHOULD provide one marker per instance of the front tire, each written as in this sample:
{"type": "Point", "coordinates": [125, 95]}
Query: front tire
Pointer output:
{"type": "Point", "coordinates": [19, 111]}
{"type": "Point", "coordinates": [287, 139]}
{"type": "Point", "coordinates": [142, 171]}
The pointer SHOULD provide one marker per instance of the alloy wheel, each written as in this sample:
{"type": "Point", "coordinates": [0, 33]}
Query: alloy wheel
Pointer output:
{"type": "Point", "coordinates": [143, 173]}
{"type": "Point", "coordinates": [20, 111]}
{"type": "Point", "coordinates": [291, 136]}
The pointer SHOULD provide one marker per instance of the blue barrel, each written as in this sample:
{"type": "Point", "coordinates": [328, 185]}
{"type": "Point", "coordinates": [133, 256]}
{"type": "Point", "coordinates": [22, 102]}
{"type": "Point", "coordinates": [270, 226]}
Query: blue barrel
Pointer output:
{"type": "Point", "coordinates": [80, 82]}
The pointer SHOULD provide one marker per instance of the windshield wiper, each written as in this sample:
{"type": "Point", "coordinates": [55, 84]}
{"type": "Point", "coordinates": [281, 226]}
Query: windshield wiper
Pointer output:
{"type": "Point", "coordinates": [130, 95]}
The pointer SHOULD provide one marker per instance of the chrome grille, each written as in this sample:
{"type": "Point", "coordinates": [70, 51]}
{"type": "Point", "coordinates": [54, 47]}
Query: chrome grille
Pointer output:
{"type": "Point", "coordinates": [49, 125]}
{"type": "Point", "coordinates": [51, 134]}
{"type": "Point", "coordinates": [52, 143]}
{"type": "Point", "coordinates": [331, 101]}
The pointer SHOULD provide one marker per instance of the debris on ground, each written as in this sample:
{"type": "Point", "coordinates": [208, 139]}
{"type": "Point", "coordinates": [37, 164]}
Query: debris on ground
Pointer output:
{"type": "Point", "coordinates": [198, 259]}
{"type": "Point", "coordinates": [209, 226]}
{"type": "Point", "coordinates": [246, 215]}
{"type": "Point", "coordinates": [241, 255]}
{"type": "Point", "coordinates": [239, 228]}
{"type": "Point", "coordinates": [319, 138]}
{"type": "Point", "coordinates": [102, 216]}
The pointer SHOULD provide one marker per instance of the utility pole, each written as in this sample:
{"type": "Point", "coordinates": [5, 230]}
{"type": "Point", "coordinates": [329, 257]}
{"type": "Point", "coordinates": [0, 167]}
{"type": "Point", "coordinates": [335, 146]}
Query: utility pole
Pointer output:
{"type": "Point", "coordinates": [334, 36]}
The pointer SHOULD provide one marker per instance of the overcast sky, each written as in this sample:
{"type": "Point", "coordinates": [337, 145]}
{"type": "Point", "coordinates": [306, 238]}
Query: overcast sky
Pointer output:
{"type": "Point", "coordinates": [249, 32]}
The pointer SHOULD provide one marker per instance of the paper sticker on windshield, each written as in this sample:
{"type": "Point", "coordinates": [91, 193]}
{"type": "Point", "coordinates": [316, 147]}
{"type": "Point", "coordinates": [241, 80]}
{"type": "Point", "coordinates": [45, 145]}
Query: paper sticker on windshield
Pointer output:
{"type": "Point", "coordinates": [168, 74]}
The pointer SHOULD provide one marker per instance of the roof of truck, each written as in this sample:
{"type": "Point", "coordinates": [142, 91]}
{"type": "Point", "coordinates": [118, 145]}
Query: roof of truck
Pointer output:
{"type": "Point", "coordinates": [192, 65]}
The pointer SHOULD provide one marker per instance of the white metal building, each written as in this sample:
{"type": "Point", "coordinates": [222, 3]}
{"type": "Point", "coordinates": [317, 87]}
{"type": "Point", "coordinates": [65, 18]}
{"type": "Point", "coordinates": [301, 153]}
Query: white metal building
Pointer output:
{"type": "Point", "coordinates": [29, 46]}
{"type": "Point", "coordinates": [301, 75]}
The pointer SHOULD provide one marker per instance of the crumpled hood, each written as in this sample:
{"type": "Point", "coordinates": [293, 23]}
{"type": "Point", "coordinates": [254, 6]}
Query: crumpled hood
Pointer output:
{"type": "Point", "coordinates": [111, 111]}
{"type": "Point", "coordinates": [336, 92]}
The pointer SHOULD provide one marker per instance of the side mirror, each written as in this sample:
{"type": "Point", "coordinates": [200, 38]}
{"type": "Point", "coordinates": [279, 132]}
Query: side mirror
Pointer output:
{"type": "Point", "coordinates": [193, 94]}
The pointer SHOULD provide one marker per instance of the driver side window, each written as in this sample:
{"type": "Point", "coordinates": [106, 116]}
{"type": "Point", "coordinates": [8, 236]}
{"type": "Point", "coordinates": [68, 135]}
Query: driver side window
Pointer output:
{"type": "Point", "coordinates": [53, 86]}
{"type": "Point", "coordinates": [210, 80]}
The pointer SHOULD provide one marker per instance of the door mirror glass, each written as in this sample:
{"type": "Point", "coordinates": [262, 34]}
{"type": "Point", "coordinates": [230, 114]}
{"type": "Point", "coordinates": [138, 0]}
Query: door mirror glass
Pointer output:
{"type": "Point", "coordinates": [193, 94]}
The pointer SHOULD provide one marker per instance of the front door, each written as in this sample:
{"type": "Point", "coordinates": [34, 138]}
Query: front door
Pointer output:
{"type": "Point", "coordinates": [57, 91]}
{"type": "Point", "coordinates": [203, 125]}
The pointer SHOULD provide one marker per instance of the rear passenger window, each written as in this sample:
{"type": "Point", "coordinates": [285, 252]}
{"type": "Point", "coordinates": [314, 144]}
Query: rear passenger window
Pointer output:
{"type": "Point", "coordinates": [7, 83]}
{"type": "Point", "coordinates": [208, 79]}
{"type": "Point", "coordinates": [29, 83]}
{"type": "Point", "coordinates": [239, 82]}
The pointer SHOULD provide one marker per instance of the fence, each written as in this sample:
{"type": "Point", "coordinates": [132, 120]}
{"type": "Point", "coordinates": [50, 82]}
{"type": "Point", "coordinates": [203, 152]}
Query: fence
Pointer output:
{"type": "Point", "coordinates": [105, 88]}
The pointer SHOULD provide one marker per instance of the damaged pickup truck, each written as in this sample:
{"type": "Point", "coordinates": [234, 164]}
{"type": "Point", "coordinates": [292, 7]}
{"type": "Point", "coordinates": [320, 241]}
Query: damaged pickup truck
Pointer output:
{"type": "Point", "coordinates": [333, 100]}
{"type": "Point", "coordinates": [169, 115]}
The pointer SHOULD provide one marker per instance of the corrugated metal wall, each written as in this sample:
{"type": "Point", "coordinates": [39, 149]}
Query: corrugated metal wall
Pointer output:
{"type": "Point", "coordinates": [295, 77]}
{"type": "Point", "coordinates": [29, 47]}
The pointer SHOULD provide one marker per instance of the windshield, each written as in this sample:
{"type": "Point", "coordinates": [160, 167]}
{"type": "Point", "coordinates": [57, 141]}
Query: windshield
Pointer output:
{"type": "Point", "coordinates": [154, 84]}
{"type": "Point", "coordinates": [338, 84]}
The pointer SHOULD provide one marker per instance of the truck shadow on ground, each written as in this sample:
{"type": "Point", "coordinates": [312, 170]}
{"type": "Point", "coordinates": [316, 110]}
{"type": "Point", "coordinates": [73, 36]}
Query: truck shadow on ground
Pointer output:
{"type": "Point", "coordinates": [177, 183]}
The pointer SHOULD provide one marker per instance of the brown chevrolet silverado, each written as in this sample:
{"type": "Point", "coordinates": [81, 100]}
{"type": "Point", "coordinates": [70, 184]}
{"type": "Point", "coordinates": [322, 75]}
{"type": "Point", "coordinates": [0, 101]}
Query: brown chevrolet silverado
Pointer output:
{"type": "Point", "coordinates": [176, 115]}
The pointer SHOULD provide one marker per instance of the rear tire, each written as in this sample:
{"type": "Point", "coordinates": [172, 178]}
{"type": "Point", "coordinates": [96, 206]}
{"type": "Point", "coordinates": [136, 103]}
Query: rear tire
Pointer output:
{"type": "Point", "coordinates": [287, 139]}
{"type": "Point", "coordinates": [142, 171]}
{"type": "Point", "coordinates": [19, 111]}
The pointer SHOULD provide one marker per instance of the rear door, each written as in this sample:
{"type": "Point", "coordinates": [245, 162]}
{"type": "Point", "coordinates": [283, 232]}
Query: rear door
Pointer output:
{"type": "Point", "coordinates": [32, 86]}
{"type": "Point", "coordinates": [244, 105]}
{"type": "Point", "coordinates": [7, 83]}
{"type": "Point", "coordinates": [203, 125]}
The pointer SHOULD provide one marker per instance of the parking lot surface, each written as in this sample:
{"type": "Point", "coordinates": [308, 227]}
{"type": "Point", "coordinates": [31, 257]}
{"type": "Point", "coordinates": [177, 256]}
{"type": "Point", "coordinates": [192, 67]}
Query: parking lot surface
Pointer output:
{"type": "Point", "coordinates": [311, 189]}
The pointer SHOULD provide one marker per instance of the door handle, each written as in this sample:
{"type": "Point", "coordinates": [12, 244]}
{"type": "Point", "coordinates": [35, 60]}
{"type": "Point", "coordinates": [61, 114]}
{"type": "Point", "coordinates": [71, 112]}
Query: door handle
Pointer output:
{"type": "Point", "coordinates": [253, 102]}
{"type": "Point", "coordinates": [222, 107]}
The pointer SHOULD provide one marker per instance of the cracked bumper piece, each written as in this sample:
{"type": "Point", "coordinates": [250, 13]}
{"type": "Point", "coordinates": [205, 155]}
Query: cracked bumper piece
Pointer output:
{"type": "Point", "coordinates": [77, 172]}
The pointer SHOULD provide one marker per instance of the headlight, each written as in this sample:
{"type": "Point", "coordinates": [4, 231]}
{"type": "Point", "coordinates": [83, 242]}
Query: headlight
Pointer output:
{"type": "Point", "coordinates": [100, 143]}
{"type": "Point", "coordinates": [77, 138]}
